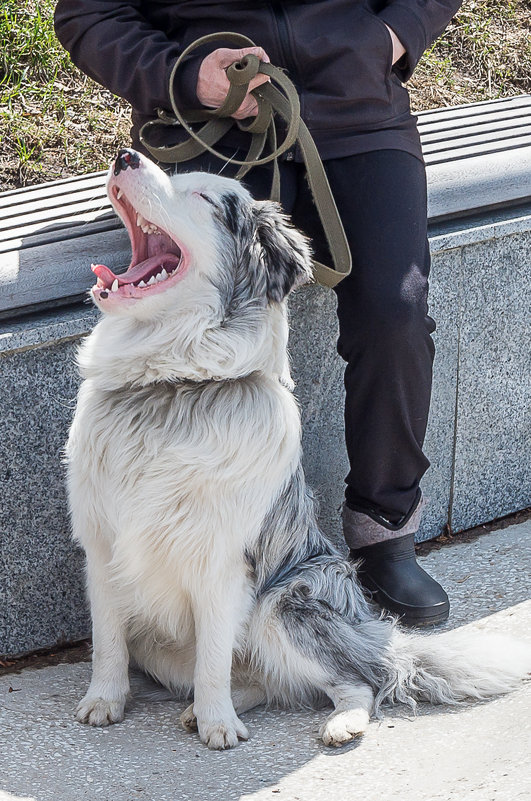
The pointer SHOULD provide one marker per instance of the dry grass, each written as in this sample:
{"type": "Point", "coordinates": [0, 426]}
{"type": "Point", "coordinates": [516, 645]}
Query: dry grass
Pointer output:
{"type": "Point", "coordinates": [55, 122]}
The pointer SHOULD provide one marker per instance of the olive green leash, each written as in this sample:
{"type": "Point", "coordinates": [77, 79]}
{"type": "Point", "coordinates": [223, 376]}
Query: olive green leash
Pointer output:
{"type": "Point", "coordinates": [271, 100]}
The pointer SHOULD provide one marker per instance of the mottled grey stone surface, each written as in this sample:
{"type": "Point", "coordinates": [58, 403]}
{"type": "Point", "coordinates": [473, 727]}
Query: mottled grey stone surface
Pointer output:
{"type": "Point", "coordinates": [317, 370]}
{"type": "Point", "coordinates": [41, 585]}
{"type": "Point", "coordinates": [492, 464]}
{"type": "Point", "coordinates": [438, 444]}
{"type": "Point", "coordinates": [477, 751]}
{"type": "Point", "coordinates": [480, 467]}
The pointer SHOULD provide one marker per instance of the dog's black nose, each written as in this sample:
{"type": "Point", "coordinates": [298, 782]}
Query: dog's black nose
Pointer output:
{"type": "Point", "coordinates": [126, 158]}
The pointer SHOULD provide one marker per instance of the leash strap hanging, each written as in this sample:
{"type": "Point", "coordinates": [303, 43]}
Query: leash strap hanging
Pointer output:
{"type": "Point", "coordinates": [281, 99]}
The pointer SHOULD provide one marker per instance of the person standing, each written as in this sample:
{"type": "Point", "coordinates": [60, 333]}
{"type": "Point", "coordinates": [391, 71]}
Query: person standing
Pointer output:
{"type": "Point", "coordinates": [349, 60]}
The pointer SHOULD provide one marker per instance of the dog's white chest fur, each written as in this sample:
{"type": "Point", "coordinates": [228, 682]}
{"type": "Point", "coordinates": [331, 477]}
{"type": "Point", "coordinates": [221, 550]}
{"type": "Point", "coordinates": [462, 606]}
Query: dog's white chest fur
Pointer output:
{"type": "Point", "coordinates": [183, 477]}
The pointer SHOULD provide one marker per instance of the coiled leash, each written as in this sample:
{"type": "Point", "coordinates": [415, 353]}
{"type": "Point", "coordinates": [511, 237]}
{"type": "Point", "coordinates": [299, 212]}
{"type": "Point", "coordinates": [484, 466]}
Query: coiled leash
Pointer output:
{"type": "Point", "coordinates": [271, 100]}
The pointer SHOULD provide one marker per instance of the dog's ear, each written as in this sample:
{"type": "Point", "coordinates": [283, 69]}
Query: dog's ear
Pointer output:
{"type": "Point", "coordinates": [285, 252]}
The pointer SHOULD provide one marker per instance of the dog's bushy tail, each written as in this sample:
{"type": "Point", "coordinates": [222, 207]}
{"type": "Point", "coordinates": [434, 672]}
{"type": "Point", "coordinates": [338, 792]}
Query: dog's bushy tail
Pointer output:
{"type": "Point", "coordinates": [451, 667]}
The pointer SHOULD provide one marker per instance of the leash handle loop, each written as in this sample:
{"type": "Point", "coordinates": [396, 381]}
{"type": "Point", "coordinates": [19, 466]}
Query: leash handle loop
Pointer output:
{"type": "Point", "coordinates": [281, 99]}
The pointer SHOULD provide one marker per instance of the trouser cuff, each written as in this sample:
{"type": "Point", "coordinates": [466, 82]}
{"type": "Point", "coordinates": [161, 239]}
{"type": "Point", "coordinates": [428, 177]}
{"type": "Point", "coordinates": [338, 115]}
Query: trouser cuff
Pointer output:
{"type": "Point", "coordinates": [361, 530]}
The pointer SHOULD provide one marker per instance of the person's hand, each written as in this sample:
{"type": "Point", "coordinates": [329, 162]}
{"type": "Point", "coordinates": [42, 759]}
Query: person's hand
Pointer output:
{"type": "Point", "coordinates": [213, 84]}
{"type": "Point", "coordinates": [398, 47]}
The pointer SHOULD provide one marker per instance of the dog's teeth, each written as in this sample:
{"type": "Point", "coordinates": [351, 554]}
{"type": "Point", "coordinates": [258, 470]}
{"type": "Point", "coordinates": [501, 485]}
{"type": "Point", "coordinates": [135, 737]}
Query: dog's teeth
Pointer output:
{"type": "Point", "coordinates": [114, 286]}
{"type": "Point", "coordinates": [142, 284]}
{"type": "Point", "coordinates": [163, 275]}
{"type": "Point", "coordinates": [152, 281]}
{"type": "Point", "coordinates": [139, 219]}
{"type": "Point", "coordinates": [119, 194]}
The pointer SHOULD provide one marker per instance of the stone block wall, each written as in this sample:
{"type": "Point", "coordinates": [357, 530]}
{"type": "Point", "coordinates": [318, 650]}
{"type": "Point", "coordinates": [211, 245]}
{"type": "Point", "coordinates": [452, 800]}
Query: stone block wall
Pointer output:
{"type": "Point", "coordinates": [478, 439]}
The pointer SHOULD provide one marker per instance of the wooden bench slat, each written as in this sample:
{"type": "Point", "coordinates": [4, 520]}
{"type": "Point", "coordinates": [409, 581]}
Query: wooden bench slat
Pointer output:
{"type": "Point", "coordinates": [484, 149]}
{"type": "Point", "coordinates": [33, 207]}
{"type": "Point", "coordinates": [59, 215]}
{"type": "Point", "coordinates": [60, 234]}
{"type": "Point", "coordinates": [488, 133]}
{"type": "Point", "coordinates": [519, 137]}
{"type": "Point", "coordinates": [14, 234]}
{"type": "Point", "coordinates": [454, 113]}
{"type": "Point", "coordinates": [54, 189]}
{"type": "Point", "coordinates": [488, 120]}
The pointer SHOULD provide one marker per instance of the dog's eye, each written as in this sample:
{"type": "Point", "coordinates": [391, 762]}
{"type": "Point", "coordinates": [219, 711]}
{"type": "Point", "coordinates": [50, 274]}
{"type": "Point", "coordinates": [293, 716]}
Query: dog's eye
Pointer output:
{"type": "Point", "coordinates": [207, 198]}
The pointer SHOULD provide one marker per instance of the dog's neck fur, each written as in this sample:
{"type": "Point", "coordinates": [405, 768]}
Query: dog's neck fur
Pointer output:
{"type": "Point", "coordinates": [125, 351]}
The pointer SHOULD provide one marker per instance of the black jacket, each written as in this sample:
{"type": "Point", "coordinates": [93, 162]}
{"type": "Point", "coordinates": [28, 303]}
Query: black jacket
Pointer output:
{"type": "Point", "coordinates": [337, 52]}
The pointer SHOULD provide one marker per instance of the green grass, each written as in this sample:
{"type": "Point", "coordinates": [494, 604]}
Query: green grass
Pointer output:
{"type": "Point", "coordinates": [30, 50]}
{"type": "Point", "coordinates": [55, 122]}
{"type": "Point", "coordinates": [485, 53]}
{"type": "Point", "coordinates": [47, 107]}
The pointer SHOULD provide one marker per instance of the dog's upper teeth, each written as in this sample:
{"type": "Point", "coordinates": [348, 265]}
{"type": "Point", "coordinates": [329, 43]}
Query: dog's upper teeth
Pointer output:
{"type": "Point", "coordinates": [152, 280]}
{"type": "Point", "coordinates": [119, 194]}
{"type": "Point", "coordinates": [114, 286]}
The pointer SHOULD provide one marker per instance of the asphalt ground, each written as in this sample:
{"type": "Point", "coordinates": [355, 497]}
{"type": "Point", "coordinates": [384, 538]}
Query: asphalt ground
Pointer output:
{"type": "Point", "coordinates": [478, 751]}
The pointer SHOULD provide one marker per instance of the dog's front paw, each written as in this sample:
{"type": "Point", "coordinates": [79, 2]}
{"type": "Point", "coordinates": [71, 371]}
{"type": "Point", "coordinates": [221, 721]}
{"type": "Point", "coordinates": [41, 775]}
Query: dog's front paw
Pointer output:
{"type": "Point", "coordinates": [98, 712]}
{"type": "Point", "coordinates": [342, 727]}
{"type": "Point", "coordinates": [222, 734]}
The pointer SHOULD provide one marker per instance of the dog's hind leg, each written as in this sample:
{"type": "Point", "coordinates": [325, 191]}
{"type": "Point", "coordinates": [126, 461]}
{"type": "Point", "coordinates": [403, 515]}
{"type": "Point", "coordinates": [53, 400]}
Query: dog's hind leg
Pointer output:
{"type": "Point", "coordinates": [353, 704]}
{"type": "Point", "coordinates": [305, 648]}
{"type": "Point", "coordinates": [104, 701]}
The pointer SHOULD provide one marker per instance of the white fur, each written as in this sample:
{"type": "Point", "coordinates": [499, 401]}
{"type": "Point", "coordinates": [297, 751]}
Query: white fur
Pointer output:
{"type": "Point", "coordinates": [170, 483]}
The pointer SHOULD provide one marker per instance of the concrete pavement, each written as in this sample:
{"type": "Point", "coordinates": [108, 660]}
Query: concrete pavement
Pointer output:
{"type": "Point", "coordinates": [479, 751]}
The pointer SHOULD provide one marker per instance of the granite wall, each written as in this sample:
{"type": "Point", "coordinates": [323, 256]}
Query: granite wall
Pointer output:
{"type": "Point", "coordinates": [478, 440]}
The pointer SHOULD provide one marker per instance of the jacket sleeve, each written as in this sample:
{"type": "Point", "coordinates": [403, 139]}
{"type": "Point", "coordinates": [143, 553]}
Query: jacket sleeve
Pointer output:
{"type": "Point", "coordinates": [417, 23]}
{"type": "Point", "coordinates": [115, 45]}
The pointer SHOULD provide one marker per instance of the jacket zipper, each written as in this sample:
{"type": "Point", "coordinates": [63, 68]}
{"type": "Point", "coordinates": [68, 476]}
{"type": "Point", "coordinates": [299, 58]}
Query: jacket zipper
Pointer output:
{"type": "Point", "coordinates": [289, 62]}
{"type": "Point", "coordinates": [285, 48]}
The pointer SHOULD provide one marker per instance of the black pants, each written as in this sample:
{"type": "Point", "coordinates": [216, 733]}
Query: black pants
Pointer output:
{"type": "Point", "coordinates": [384, 327]}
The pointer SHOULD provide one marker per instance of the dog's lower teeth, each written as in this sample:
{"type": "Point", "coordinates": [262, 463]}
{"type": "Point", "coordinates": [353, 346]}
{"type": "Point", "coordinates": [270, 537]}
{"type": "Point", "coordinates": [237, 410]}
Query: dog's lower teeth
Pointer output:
{"type": "Point", "coordinates": [142, 284]}
{"type": "Point", "coordinates": [152, 281]}
{"type": "Point", "coordinates": [114, 286]}
{"type": "Point", "coordinates": [119, 194]}
{"type": "Point", "coordinates": [163, 275]}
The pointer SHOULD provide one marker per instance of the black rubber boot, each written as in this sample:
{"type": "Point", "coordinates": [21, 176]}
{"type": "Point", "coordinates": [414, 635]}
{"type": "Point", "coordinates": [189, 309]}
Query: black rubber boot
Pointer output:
{"type": "Point", "coordinates": [389, 571]}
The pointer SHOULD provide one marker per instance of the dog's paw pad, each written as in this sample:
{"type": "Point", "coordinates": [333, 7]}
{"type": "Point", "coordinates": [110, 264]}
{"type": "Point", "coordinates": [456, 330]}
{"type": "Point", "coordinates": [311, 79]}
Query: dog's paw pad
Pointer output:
{"type": "Point", "coordinates": [219, 736]}
{"type": "Point", "coordinates": [342, 727]}
{"type": "Point", "coordinates": [188, 719]}
{"type": "Point", "coordinates": [99, 712]}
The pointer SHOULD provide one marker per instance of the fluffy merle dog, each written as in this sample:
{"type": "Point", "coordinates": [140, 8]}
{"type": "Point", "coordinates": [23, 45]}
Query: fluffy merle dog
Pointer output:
{"type": "Point", "coordinates": [205, 563]}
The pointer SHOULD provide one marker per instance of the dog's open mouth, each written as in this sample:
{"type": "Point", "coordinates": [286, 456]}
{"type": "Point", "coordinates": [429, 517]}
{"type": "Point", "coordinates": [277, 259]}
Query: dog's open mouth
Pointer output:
{"type": "Point", "coordinates": [157, 262]}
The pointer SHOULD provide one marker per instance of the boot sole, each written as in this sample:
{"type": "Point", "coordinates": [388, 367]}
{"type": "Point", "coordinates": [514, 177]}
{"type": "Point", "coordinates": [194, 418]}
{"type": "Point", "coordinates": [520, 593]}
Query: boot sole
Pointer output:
{"type": "Point", "coordinates": [428, 618]}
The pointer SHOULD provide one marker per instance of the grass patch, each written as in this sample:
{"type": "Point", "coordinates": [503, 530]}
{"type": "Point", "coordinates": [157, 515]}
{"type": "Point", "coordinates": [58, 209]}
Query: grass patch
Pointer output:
{"type": "Point", "coordinates": [56, 122]}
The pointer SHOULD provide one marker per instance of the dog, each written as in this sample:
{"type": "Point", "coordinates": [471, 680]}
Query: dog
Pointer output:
{"type": "Point", "coordinates": [205, 564]}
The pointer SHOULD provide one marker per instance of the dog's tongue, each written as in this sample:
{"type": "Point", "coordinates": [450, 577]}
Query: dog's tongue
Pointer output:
{"type": "Point", "coordinates": [104, 273]}
{"type": "Point", "coordinates": [139, 271]}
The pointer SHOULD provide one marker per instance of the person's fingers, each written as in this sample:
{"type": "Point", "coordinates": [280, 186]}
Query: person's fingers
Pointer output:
{"type": "Point", "coordinates": [226, 56]}
{"type": "Point", "coordinates": [213, 85]}
{"type": "Point", "coordinates": [249, 108]}
{"type": "Point", "coordinates": [258, 80]}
